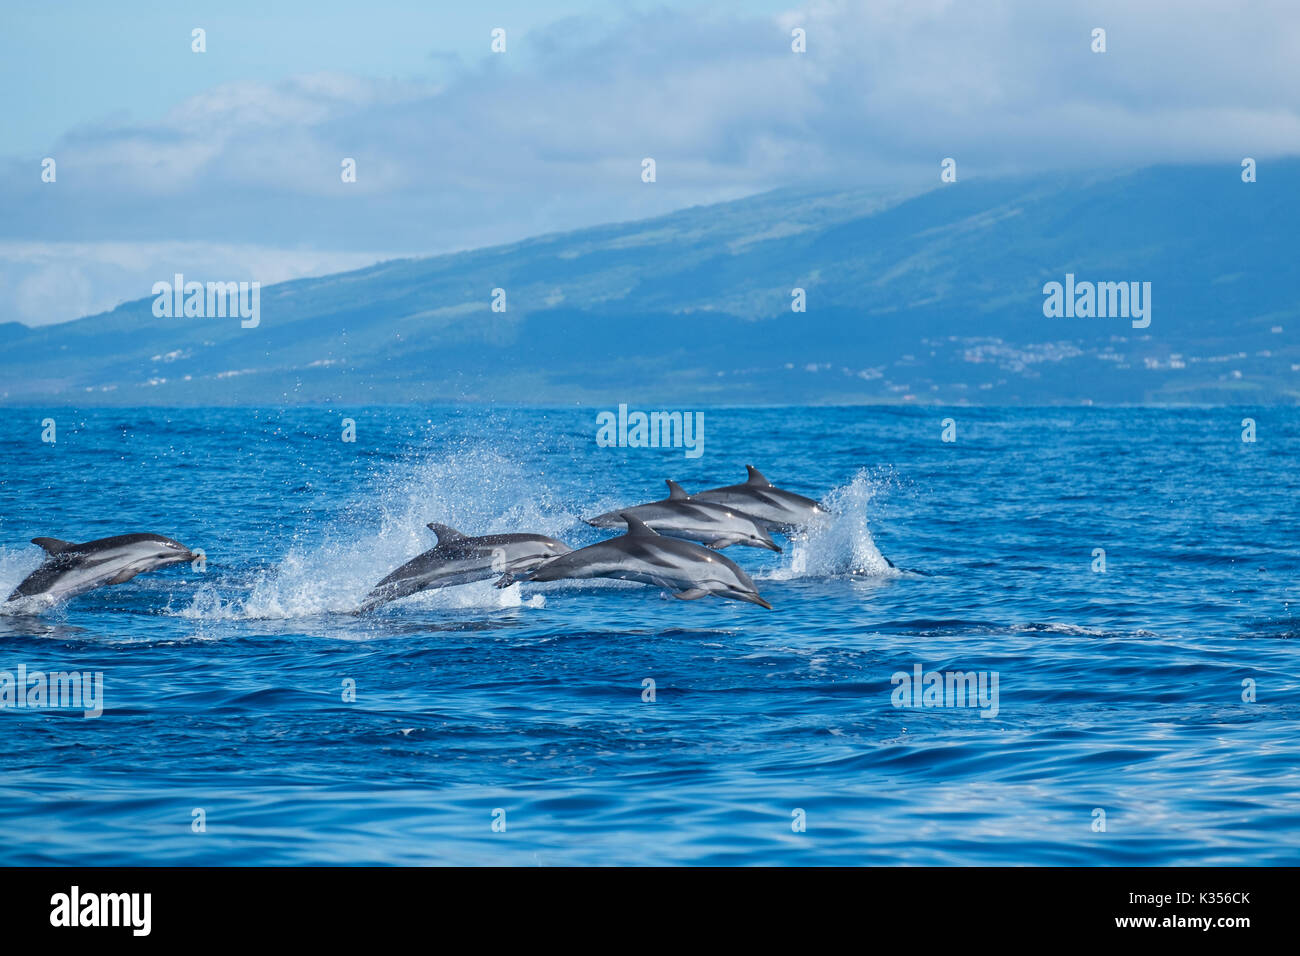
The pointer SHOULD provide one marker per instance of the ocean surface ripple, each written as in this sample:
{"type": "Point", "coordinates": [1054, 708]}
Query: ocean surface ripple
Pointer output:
{"type": "Point", "coordinates": [1159, 697]}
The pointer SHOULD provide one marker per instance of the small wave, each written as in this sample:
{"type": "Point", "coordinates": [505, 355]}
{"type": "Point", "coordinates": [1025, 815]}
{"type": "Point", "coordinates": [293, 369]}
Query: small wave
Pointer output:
{"type": "Point", "coordinates": [842, 544]}
{"type": "Point", "coordinates": [27, 606]}
{"type": "Point", "coordinates": [1071, 630]}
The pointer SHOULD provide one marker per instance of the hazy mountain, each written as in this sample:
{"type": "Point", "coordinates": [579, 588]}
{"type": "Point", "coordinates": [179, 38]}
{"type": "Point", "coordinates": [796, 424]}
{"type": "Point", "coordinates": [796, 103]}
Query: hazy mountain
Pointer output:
{"type": "Point", "coordinates": [932, 297]}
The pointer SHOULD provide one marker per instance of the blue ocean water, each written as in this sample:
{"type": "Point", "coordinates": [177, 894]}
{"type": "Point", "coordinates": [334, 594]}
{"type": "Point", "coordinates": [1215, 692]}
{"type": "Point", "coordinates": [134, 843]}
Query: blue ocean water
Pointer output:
{"type": "Point", "coordinates": [1118, 691]}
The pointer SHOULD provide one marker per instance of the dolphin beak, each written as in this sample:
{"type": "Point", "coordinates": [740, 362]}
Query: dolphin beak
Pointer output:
{"type": "Point", "coordinates": [762, 603]}
{"type": "Point", "coordinates": [771, 545]}
{"type": "Point", "coordinates": [752, 597]}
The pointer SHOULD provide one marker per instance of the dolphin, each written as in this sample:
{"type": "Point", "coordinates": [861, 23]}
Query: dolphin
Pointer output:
{"type": "Point", "coordinates": [459, 559]}
{"type": "Point", "coordinates": [775, 509]}
{"type": "Point", "coordinates": [71, 569]}
{"type": "Point", "coordinates": [641, 554]}
{"type": "Point", "coordinates": [678, 516]}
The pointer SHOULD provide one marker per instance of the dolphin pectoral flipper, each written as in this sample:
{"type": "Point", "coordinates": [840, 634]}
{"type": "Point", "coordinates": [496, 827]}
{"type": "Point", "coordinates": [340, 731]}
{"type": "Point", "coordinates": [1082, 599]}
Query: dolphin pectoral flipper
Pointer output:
{"type": "Point", "coordinates": [505, 580]}
{"type": "Point", "coordinates": [690, 594]}
{"type": "Point", "coordinates": [52, 545]}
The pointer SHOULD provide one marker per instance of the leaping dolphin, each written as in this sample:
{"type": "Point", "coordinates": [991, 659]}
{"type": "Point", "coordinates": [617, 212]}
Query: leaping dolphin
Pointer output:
{"type": "Point", "coordinates": [71, 569]}
{"type": "Point", "coordinates": [459, 559]}
{"type": "Point", "coordinates": [679, 516]}
{"type": "Point", "coordinates": [687, 569]}
{"type": "Point", "coordinates": [774, 508]}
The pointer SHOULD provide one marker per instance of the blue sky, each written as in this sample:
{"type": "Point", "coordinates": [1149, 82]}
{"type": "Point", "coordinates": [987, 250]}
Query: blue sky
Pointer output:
{"type": "Point", "coordinates": [82, 61]}
{"type": "Point", "coordinates": [225, 165]}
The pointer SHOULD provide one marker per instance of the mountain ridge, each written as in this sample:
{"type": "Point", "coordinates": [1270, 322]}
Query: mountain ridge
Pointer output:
{"type": "Point", "coordinates": [928, 297]}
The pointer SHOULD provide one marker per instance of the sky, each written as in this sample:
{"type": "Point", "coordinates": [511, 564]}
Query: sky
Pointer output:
{"type": "Point", "coordinates": [225, 165]}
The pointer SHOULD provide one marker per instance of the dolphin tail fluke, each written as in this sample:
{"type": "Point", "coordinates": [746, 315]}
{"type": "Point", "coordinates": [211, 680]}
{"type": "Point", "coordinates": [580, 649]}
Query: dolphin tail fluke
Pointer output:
{"type": "Point", "coordinates": [756, 478]}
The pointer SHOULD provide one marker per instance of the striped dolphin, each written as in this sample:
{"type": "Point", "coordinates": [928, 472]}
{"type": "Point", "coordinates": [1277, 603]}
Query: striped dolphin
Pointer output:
{"type": "Point", "coordinates": [641, 554]}
{"type": "Point", "coordinates": [70, 569]}
{"type": "Point", "coordinates": [460, 559]}
{"type": "Point", "coordinates": [774, 508]}
{"type": "Point", "coordinates": [680, 516]}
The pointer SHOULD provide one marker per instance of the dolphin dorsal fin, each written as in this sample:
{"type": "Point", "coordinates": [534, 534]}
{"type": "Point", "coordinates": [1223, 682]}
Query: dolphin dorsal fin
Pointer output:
{"type": "Point", "coordinates": [756, 477]}
{"type": "Point", "coordinates": [676, 492]}
{"type": "Point", "coordinates": [635, 526]}
{"type": "Point", "coordinates": [53, 545]}
{"type": "Point", "coordinates": [446, 534]}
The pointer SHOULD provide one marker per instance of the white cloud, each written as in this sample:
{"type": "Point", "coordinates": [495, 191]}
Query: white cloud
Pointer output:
{"type": "Point", "coordinates": [46, 282]}
{"type": "Point", "coordinates": [551, 135]}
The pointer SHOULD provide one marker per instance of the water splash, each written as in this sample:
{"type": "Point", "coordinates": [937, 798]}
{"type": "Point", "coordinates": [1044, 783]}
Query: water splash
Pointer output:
{"type": "Point", "coordinates": [842, 544]}
{"type": "Point", "coordinates": [475, 489]}
{"type": "Point", "coordinates": [15, 565]}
